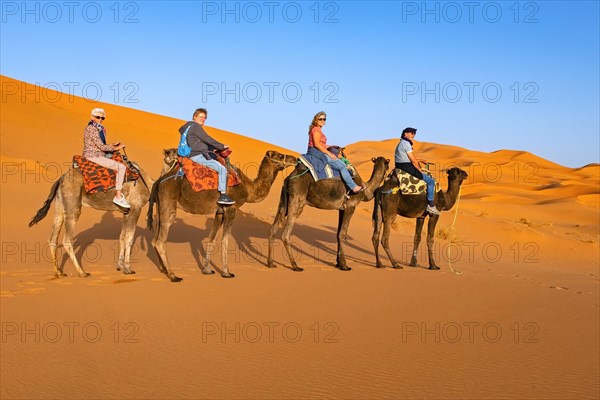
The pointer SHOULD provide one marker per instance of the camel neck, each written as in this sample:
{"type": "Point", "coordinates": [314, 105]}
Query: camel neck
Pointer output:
{"type": "Point", "coordinates": [259, 188]}
{"type": "Point", "coordinates": [451, 194]}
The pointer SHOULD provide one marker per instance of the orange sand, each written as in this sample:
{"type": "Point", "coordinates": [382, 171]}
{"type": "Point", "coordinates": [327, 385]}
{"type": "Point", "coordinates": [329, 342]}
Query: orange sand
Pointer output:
{"type": "Point", "coordinates": [521, 321]}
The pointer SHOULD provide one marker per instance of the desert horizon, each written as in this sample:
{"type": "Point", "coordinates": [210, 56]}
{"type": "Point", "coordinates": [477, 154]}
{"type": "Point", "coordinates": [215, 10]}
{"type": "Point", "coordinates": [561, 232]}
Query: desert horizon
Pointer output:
{"type": "Point", "coordinates": [513, 312]}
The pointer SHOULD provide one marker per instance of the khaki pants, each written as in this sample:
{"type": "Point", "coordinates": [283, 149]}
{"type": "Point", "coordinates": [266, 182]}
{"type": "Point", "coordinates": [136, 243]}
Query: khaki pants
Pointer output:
{"type": "Point", "coordinates": [115, 166]}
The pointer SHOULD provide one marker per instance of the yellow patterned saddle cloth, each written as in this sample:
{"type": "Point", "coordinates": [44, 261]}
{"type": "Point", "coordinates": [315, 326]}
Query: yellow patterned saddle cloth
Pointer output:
{"type": "Point", "coordinates": [410, 184]}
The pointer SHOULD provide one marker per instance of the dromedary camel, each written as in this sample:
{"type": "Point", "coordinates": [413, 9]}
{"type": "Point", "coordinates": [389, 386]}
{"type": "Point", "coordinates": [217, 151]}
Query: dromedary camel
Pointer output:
{"type": "Point", "coordinates": [300, 189]}
{"type": "Point", "coordinates": [388, 205]}
{"type": "Point", "coordinates": [68, 196]}
{"type": "Point", "coordinates": [170, 192]}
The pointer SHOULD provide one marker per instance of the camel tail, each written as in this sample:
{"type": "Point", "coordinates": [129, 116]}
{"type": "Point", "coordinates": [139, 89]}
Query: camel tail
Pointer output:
{"type": "Point", "coordinates": [151, 201]}
{"type": "Point", "coordinates": [42, 212]}
{"type": "Point", "coordinates": [283, 199]}
{"type": "Point", "coordinates": [377, 209]}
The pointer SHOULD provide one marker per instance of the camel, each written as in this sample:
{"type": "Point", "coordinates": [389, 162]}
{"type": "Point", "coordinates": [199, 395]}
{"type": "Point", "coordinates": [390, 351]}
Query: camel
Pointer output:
{"type": "Point", "coordinates": [68, 196]}
{"type": "Point", "coordinates": [388, 205]}
{"type": "Point", "coordinates": [170, 192]}
{"type": "Point", "coordinates": [300, 189]}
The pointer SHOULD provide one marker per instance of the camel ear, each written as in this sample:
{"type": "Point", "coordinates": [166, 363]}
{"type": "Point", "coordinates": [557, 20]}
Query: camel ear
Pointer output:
{"type": "Point", "coordinates": [373, 159]}
{"type": "Point", "coordinates": [387, 160]}
{"type": "Point", "coordinates": [269, 153]}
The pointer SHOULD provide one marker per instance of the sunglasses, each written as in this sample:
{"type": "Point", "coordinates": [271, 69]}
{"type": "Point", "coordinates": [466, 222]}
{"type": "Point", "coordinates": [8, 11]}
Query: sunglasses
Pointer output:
{"type": "Point", "coordinates": [97, 117]}
{"type": "Point", "coordinates": [322, 119]}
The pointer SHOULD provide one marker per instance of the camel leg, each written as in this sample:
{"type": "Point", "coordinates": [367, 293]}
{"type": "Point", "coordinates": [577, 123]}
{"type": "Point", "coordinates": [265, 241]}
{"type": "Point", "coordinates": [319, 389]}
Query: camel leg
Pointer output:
{"type": "Point", "coordinates": [70, 220]}
{"type": "Point", "coordinates": [417, 241]}
{"type": "Point", "coordinates": [126, 240]}
{"type": "Point", "coordinates": [280, 220]}
{"type": "Point", "coordinates": [212, 241]}
{"type": "Point", "coordinates": [166, 218]}
{"type": "Point", "coordinates": [294, 211]}
{"type": "Point", "coordinates": [430, 237]}
{"type": "Point", "coordinates": [344, 217]}
{"type": "Point", "coordinates": [227, 224]}
{"type": "Point", "coordinates": [377, 234]}
{"type": "Point", "coordinates": [57, 223]}
{"type": "Point", "coordinates": [385, 240]}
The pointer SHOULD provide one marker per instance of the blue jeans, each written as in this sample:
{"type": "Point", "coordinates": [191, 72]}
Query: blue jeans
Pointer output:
{"type": "Point", "coordinates": [430, 187]}
{"type": "Point", "coordinates": [215, 166]}
{"type": "Point", "coordinates": [339, 165]}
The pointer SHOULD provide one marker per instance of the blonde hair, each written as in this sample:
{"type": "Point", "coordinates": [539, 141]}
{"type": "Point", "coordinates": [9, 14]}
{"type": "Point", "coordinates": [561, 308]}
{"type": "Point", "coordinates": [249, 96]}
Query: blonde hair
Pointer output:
{"type": "Point", "coordinates": [316, 119]}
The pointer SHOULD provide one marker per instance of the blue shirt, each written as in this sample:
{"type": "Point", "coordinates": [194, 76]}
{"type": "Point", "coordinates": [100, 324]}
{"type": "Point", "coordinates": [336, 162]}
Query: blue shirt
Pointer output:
{"type": "Point", "coordinates": [402, 150]}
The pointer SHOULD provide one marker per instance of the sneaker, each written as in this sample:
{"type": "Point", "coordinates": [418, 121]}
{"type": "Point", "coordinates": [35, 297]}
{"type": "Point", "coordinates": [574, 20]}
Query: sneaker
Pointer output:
{"type": "Point", "coordinates": [358, 189]}
{"type": "Point", "coordinates": [432, 210]}
{"type": "Point", "coordinates": [121, 202]}
{"type": "Point", "coordinates": [225, 200]}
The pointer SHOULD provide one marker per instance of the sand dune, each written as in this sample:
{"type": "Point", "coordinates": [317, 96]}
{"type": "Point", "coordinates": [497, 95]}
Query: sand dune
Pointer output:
{"type": "Point", "coordinates": [521, 321]}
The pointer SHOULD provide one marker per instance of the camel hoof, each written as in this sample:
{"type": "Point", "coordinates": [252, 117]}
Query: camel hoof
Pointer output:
{"type": "Point", "coordinates": [434, 267]}
{"type": "Point", "coordinates": [397, 266]}
{"type": "Point", "coordinates": [344, 268]}
{"type": "Point", "coordinates": [228, 275]}
{"type": "Point", "coordinates": [128, 272]}
{"type": "Point", "coordinates": [84, 275]}
{"type": "Point", "coordinates": [297, 269]}
{"type": "Point", "coordinates": [175, 278]}
{"type": "Point", "coordinates": [208, 271]}
{"type": "Point", "coordinates": [380, 266]}
{"type": "Point", "coordinates": [271, 265]}
{"type": "Point", "coordinates": [59, 275]}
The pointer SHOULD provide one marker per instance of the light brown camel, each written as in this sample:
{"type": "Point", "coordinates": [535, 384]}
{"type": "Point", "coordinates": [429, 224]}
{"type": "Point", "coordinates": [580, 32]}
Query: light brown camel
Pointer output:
{"type": "Point", "coordinates": [300, 189]}
{"type": "Point", "coordinates": [170, 192]}
{"type": "Point", "coordinates": [68, 196]}
{"type": "Point", "coordinates": [388, 205]}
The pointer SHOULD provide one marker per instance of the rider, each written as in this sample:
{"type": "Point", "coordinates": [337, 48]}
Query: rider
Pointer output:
{"type": "Point", "coordinates": [407, 161]}
{"type": "Point", "coordinates": [95, 149]}
{"type": "Point", "coordinates": [201, 144]}
{"type": "Point", "coordinates": [317, 146]}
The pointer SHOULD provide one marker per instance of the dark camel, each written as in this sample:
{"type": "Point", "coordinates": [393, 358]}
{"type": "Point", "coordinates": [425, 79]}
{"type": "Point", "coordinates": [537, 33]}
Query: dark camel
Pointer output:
{"type": "Point", "coordinates": [170, 192]}
{"type": "Point", "coordinates": [387, 206]}
{"type": "Point", "coordinates": [68, 196]}
{"type": "Point", "coordinates": [300, 189]}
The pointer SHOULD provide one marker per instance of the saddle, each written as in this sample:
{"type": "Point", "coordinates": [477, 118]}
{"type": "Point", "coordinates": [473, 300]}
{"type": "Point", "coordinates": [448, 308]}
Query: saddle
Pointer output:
{"type": "Point", "coordinates": [97, 178]}
{"type": "Point", "coordinates": [410, 184]}
{"type": "Point", "coordinates": [204, 178]}
{"type": "Point", "coordinates": [320, 170]}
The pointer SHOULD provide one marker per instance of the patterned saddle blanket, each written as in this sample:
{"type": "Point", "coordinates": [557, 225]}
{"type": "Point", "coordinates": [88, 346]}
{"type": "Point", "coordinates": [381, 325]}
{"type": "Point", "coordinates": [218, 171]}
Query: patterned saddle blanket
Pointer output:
{"type": "Point", "coordinates": [319, 168]}
{"type": "Point", "coordinates": [97, 178]}
{"type": "Point", "coordinates": [204, 178]}
{"type": "Point", "coordinates": [411, 185]}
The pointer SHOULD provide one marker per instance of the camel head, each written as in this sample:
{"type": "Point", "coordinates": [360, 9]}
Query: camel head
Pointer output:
{"type": "Point", "coordinates": [381, 165]}
{"type": "Point", "coordinates": [456, 174]}
{"type": "Point", "coordinates": [170, 156]}
{"type": "Point", "coordinates": [281, 161]}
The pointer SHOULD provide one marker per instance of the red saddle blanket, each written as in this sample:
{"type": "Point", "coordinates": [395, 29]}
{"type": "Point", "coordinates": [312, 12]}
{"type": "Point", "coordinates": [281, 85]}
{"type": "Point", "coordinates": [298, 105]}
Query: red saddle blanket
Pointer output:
{"type": "Point", "coordinates": [97, 178]}
{"type": "Point", "coordinates": [204, 178]}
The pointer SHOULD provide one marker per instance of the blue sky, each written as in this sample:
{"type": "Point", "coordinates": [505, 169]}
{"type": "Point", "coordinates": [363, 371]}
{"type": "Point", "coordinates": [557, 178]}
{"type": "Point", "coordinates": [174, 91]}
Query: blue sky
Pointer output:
{"type": "Point", "coordinates": [483, 75]}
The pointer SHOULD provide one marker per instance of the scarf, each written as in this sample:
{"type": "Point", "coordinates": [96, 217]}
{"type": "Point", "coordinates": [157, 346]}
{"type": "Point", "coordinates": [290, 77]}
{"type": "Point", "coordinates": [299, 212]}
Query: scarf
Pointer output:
{"type": "Point", "coordinates": [101, 130]}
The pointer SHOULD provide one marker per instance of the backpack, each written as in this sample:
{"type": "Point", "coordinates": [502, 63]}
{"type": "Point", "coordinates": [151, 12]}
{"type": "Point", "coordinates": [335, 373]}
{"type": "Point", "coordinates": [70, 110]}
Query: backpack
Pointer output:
{"type": "Point", "coordinates": [183, 149]}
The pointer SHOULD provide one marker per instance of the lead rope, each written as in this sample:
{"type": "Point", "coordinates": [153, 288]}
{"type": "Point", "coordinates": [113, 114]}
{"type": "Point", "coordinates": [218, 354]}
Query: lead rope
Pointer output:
{"type": "Point", "coordinates": [451, 229]}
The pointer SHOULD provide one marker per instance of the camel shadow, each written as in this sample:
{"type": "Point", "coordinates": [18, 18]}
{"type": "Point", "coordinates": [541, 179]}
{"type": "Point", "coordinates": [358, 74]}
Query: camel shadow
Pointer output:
{"type": "Point", "coordinates": [88, 249]}
{"type": "Point", "coordinates": [109, 228]}
{"type": "Point", "coordinates": [318, 244]}
{"type": "Point", "coordinates": [250, 234]}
